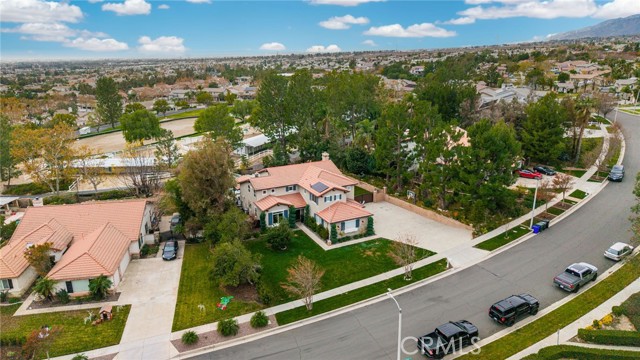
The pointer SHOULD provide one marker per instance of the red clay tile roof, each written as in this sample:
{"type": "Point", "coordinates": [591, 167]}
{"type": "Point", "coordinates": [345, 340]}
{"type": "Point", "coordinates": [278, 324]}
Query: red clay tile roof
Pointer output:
{"type": "Point", "coordinates": [342, 211]}
{"type": "Point", "coordinates": [98, 253]}
{"type": "Point", "coordinates": [270, 201]}
{"type": "Point", "coordinates": [54, 223]}
{"type": "Point", "coordinates": [295, 199]}
{"type": "Point", "coordinates": [305, 175]}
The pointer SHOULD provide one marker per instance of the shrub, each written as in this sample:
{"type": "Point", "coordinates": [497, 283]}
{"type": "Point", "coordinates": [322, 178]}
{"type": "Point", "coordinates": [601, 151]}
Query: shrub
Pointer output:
{"type": "Point", "coordinates": [228, 327]}
{"type": "Point", "coordinates": [259, 320]}
{"type": "Point", "coordinates": [61, 199]}
{"type": "Point", "coordinates": [264, 293]}
{"type": "Point", "coordinates": [323, 232]}
{"type": "Point", "coordinates": [617, 310]}
{"type": "Point", "coordinates": [80, 357]}
{"type": "Point", "coordinates": [113, 194]}
{"type": "Point", "coordinates": [263, 222]}
{"type": "Point", "coordinates": [279, 237]}
{"type": "Point", "coordinates": [12, 340]}
{"type": "Point", "coordinates": [370, 231]}
{"type": "Point", "coordinates": [27, 189]}
{"type": "Point", "coordinates": [334, 233]}
{"type": "Point", "coordinates": [189, 337]}
{"type": "Point", "coordinates": [4, 295]}
{"type": "Point", "coordinates": [582, 353]}
{"type": "Point", "coordinates": [610, 337]}
{"type": "Point", "coordinates": [99, 287]}
{"type": "Point", "coordinates": [63, 296]}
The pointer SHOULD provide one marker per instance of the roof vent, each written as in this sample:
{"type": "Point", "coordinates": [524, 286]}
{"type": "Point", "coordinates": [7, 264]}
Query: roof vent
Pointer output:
{"type": "Point", "coordinates": [325, 156]}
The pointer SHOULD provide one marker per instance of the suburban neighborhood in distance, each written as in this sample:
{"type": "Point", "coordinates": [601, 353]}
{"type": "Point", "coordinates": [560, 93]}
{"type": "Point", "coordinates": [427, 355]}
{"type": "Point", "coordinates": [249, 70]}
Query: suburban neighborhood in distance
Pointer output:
{"type": "Point", "coordinates": [319, 179]}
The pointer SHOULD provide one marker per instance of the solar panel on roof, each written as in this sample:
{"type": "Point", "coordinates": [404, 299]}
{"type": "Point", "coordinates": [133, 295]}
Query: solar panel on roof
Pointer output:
{"type": "Point", "coordinates": [319, 187]}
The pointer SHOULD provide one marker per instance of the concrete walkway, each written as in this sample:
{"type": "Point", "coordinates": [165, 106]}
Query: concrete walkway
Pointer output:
{"type": "Point", "coordinates": [146, 341]}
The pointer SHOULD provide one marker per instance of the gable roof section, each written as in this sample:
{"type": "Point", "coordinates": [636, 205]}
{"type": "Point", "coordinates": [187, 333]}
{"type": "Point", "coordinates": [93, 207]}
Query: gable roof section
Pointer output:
{"type": "Point", "coordinates": [12, 260]}
{"type": "Point", "coordinates": [270, 201]}
{"type": "Point", "coordinates": [98, 253]}
{"type": "Point", "coordinates": [304, 174]}
{"type": "Point", "coordinates": [342, 211]}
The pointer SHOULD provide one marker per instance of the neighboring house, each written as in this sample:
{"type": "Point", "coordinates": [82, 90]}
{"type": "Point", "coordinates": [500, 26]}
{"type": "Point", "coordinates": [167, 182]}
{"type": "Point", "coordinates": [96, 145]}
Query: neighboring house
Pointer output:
{"type": "Point", "coordinates": [87, 240]}
{"type": "Point", "coordinates": [320, 185]}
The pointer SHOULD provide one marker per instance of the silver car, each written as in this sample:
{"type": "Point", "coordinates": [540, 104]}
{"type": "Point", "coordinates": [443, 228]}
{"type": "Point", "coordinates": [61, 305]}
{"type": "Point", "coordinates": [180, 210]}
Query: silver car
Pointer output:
{"type": "Point", "coordinates": [618, 251]}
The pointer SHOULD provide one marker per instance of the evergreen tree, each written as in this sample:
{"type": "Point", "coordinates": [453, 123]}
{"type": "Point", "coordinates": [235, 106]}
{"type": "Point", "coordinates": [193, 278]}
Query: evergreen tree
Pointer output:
{"type": "Point", "coordinates": [109, 102]}
{"type": "Point", "coordinates": [543, 131]}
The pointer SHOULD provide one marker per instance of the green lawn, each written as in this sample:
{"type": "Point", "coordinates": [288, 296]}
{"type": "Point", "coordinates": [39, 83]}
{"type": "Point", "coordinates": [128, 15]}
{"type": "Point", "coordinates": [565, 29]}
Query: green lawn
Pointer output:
{"type": "Point", "coordinates": [578, 194]}
{"type": "Point", "coordinates": [75, 336]}
{"type": "Point", "coordinates": [504, 238]}
{"type": "Point", "coordinates": [196, 287]}
{"type": "Point", "coordinates": [555, 211]}
{"type": "Point", "coordinates": [631, 308]}
{"type": "Point", "coordinates": [360, 294]}
{"type": "Point", "coordinates": [191, 113]}
{"type": "Point", "coordinates": [559, 352]}
{"type": "Point", "coordinates": [589, 299]}
{"type": "Point", "coordinates": [342, 265]}
{"type": "Point", "coordinates": [360, 191]}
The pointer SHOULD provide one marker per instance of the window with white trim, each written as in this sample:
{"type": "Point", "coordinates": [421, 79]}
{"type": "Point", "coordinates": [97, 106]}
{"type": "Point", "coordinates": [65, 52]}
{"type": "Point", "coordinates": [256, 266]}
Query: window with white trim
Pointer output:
{"type": "Point", "coordinates": [6, 284]}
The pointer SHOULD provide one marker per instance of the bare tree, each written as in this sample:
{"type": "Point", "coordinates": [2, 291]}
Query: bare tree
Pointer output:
{"type": "Point", "coordinates": [604, 102]}
{"type": "Point", "coordinates": [403, 252]}
{"type": "Point", "coordinates": [89, 166]}
{"type": "Point", "coordinates": [562, 182]}
{"type": "Point", "coordinates": [545, 192]}
{"type": "Point", "coordinates": [39, 342]}
{"type": "Point", "coordinates": [304, 280]}
{"type": "Point", "coordinates": [141, 173]}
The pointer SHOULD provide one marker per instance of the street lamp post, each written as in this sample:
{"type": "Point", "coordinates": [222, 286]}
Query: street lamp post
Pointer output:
{"type": "Point", "coordinates": [535, 196]}
{"type": "Point", "coordinates": [399, 323]}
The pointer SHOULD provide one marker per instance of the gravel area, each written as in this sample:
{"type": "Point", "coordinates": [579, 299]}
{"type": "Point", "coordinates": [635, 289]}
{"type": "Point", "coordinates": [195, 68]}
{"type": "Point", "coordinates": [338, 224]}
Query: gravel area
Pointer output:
{"type": "Point", "coordinates": [212, 337]}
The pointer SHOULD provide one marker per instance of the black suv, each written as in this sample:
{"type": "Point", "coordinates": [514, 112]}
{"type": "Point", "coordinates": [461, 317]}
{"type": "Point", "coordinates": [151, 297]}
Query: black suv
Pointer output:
{"type": "Point", "coordinates": [544, 170]}
{"type": "Point", "coordinates": [508, 310]}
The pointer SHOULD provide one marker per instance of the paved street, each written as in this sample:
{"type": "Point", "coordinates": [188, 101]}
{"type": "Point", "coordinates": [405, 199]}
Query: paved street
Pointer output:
{"type": "Point", "coordinates": [370, 332]}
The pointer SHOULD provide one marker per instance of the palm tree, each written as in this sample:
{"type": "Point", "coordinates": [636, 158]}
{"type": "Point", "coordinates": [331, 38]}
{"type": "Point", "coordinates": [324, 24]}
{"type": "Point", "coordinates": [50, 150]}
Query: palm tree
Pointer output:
{"type": "Point", "coordinates": [364, 134]}
{"type": "Point", "coordinates": [99, 287]}
{"type": "Point", "coordinates": [584, 108]}
{"type": "Point", "coordinates": [45, 287]}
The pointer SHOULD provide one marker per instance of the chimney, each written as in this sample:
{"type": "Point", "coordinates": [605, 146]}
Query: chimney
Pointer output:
{"type": "Point", "coordinates": [325, 156]}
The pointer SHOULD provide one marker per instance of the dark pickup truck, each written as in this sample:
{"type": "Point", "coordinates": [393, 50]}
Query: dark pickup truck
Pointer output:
{"type": "Point", "coordinates": [575, 276]}
{"type": "Point", "coordinates": [448, 338]}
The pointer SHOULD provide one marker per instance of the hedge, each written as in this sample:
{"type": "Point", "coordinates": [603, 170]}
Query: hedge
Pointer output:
{"type": "Point", "coordinates": [611, 337]}
{"type": "Point", "coordinates": [12, 340]}
{"type": "Point", "coordinates": [582, 353]}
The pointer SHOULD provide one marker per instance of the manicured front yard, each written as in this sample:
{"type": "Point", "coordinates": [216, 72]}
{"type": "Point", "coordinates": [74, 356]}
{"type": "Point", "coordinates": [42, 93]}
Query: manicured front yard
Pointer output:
{"type": "Point", "coordinates": [75, 337]}
{"type": "Point", "coordinates": [504, 238]}
{"type": "Point", "coordinates": [342, 266]}
{"type": "Point", "coordinates": [578, 194]}
{"type": "Point", "coordinates": [530, 334]}
{"type": "Point", "coordinates": [360, 294]}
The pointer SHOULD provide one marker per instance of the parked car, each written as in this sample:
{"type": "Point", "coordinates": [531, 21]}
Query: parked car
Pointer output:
{"type": "Point", "coordinates": [544, 170]}
{"type": "Point", "coordinates": [170, 250]}
{"type": "Point", "coordinates": [575, 276]}
{"type": "Point", "coordinates": [448, 338]}
{"type": "Point", "coordinates": [507, 311]}
{"type": "Point", "coordinates": [529, 174]}
{"type": "Point", "coordinates": [175, 221]}
{"type": "Point", "coordinates": [618, 251]}
{"type": "Point", "coordinates": [617, 173]}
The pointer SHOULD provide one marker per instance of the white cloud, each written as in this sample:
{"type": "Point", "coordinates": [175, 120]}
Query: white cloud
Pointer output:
{"type": "Point", "coordinates": [550, 9]}
{"type": "Point", "coordinates": [370, 43]}
{"type": "Point", "coordinates": [39, 11]}
{"type": "Point", "coordinates": [323, 49]}
{"type": "Point", "coordinates": [162, 44]}
{"type": "Point", "coordinates": [199, 1]}
{"type": "Point", "coordinates": [55, 32]}
{"type": "Point", "coordinates": [343, 2]}
{"type": "Point", "coordinates": [129, 7]}
{"type": "Point", "coordinates": [95, 1]}
{"type": "Point", "coordinates": [617, 9]}
{"type": "Point", "coordinates": [461, 21]}
{"type": "Point", "coordinates": [413, 31]}
{"type": "Point", "coordinates": [95, 44]}
{"type": "Point", "coordinates": [272, 46]}
{"type": "Point", "coordinates": [343, 22]}
{"type": "Point", "coordinates": [163, 6]}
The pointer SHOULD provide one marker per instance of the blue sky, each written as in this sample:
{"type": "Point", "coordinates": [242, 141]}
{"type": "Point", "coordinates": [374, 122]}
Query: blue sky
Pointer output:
{"type": "Point", "coordinates": [41, 30]}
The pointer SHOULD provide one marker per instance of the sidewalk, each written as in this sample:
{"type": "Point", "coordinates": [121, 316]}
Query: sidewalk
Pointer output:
{"type": "Point", "coordinates": [159, 347]}
{"type": "Point", "coordinates": [565, 334]}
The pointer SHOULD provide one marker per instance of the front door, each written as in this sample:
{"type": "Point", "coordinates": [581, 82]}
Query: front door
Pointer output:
{"type": "Point", "coordinates": [69, 287]}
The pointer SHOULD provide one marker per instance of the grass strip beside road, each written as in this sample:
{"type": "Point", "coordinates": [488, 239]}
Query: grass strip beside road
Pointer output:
{"type": "Point", "coordinates": [504, 238]}
{"type": "Point", "coordinates": [559, 318]}
{"type": "Point", "coordinates": [582, 353]}
{"type": "Point", "coordinates": [578, 194]}
{"type": "Point", "coordinates": [363, 293]}
{"type": "Point", "coordinates": [75, 336]}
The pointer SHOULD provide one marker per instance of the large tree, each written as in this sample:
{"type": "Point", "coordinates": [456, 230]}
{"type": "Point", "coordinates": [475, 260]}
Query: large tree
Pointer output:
{"type": "Point", "coordinates": [161, 106]}
{"type": "Point", "coordinates": [542, 132]}
{"type": "Point", "coordinates": [271, 114]}
{"type": "Point", "coordinates": [205, 177]}
{"type": "Point", "coordinates": [166, 152]}
{"type": "Point", "coordinates": [6, 159]}
{"type": "Point", "coordinates": [234, 265]}
{"type": "Point", "coordinates": [303, 280]}
{"type": "Point", "coordinates": [46, 154]}
{"type": "Point", "coordinates": [140, 125]}
{"type": "Point", "coordinates": [39, 257]}
{"type": "Point", "coordinates": [89, 166]}
{"type": "Point", "coordinates": [109, 102]}
{"type": "Point", "coordinates": [218, 123]}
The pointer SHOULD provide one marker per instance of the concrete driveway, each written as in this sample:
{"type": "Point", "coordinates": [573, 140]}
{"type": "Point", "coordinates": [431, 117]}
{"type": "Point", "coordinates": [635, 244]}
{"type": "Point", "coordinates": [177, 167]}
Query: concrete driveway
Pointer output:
{"type": "Point", "coordinates": [391, 221]}
{"type": "Point", "coordinates": [151, 287]}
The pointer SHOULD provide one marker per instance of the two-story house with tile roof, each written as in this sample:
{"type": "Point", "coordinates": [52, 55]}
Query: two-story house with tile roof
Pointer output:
{"type": "Point", "coordinates": [87, 240]}
{"type": "Point", "coordinates": [319, 185]}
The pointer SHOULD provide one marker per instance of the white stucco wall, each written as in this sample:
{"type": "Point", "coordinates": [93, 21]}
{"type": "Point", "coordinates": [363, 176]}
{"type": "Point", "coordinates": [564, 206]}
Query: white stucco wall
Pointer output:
{"type": "Point", "coordinates": [22, 282]}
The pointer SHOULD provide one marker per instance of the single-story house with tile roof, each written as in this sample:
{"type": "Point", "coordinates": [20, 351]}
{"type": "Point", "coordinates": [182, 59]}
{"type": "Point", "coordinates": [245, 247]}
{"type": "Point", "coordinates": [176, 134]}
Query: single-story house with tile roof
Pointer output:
{"type": "Point", "coordinates": [87, 240]}
{"type": "Point", "coordinates": [320, 185]}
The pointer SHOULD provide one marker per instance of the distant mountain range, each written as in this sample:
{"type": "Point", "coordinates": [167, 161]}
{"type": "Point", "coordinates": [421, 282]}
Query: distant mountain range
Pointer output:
{"type": "Point", "coordinates": [614, 27]}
